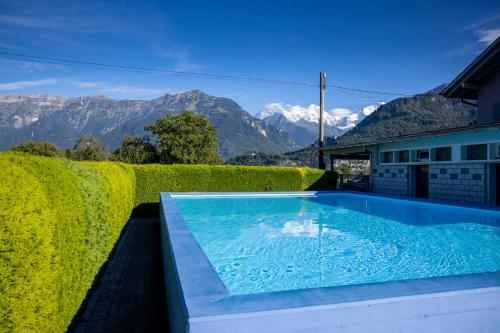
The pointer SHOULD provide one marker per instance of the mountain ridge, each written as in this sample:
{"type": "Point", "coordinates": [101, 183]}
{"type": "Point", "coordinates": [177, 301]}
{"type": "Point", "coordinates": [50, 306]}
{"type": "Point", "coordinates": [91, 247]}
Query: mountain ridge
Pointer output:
{"type": "Point", "coordinates": [410, 115]}
{"type": "Point", "coordinates": [406, 115]}
{"type": "Point", "coordinates": [62, 120]}
{"type": "Point", "coordinates": [301, 123]}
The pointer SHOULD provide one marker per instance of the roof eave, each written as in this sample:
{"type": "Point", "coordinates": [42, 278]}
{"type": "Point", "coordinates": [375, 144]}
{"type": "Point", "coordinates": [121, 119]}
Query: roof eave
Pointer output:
{"type": "Point", "coordinates": [461, 87]}
{"type": "Point", "coordinates": [363, 145]}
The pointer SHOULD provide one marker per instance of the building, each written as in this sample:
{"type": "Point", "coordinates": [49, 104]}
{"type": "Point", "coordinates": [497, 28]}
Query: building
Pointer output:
{"type": "Point", "coordinates": [460, 164]}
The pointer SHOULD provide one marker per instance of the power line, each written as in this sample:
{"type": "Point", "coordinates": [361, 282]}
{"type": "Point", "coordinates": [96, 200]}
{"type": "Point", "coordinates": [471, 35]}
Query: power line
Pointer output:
{"type": "Point", "coordinates": [151, 70]}
{"type": "Point", "coordinates": [60, 61]}
{"type": "Point", "coordinates": [368, 91]}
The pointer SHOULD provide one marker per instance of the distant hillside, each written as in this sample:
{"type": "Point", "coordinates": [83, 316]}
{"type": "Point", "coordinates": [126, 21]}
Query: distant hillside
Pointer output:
{"type": "Point", "coordinates": [305, 157]}
{"type": "Point", "coordinates": [62, 120]}
{"type": "Point", "coordinates": [410, 115]}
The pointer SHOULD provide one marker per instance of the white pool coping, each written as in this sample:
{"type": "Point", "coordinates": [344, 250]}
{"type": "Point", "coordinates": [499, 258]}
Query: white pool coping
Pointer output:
{"type": "Point", "coordinates": [198, 300]}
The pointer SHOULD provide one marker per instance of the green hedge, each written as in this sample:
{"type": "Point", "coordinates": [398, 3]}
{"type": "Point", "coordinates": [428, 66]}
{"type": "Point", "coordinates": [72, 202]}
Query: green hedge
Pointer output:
{"type": "Point", "coordinates": [155, 178]}
{"type": "Point", "coordinates": [59, 220]}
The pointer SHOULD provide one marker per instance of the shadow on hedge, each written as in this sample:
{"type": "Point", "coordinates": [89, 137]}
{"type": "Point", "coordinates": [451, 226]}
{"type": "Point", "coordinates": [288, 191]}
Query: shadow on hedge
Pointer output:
{"type": "Point", "coordinates": [328, 181]}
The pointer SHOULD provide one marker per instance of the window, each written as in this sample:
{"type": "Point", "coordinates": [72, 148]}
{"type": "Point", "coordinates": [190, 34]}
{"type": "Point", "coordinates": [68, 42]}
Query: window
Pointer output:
{"type": "Point", "coordinates": [496, 111]}
{"type": "Point", "coordinates": [386, 157]}
{"type": "Point", "coordinates": [422, 155]}
{"type": "Point", "coordinates": [443, 154]}
{"type": "Point", "coordinates": [476, 152]}
{"type": "Point", "coordinates": [403, 156]}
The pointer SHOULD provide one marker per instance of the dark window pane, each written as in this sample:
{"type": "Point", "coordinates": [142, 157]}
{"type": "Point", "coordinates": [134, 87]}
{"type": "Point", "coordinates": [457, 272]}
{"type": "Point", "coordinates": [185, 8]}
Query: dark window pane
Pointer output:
{"type": "Point", "coordinates": [496, 114]}
{"type": "Point", "coordinates": [422, 155]}
{"type": "Point", "coordinates": [387, 157]}
{"type": "Point", "coordinates": [477, 152]}
{"type": "Point", "coordinates": [443, 154]}
{"type": "Point", "coordinates": [404, 156]}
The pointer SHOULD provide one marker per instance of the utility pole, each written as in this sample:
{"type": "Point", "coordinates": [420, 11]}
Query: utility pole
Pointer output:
{"type": "Point", "coordinates": [322, 77]}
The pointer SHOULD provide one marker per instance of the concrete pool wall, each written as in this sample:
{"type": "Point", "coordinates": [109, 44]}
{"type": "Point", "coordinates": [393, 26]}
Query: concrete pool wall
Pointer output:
{"type": "Point", "coordinates": [198, 300]}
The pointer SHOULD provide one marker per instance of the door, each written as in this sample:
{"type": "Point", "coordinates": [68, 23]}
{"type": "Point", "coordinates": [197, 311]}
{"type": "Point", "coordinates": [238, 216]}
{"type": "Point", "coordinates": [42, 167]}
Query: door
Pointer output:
{"type": "Point", "coordinates": [422, 181]}
{"type": "Point", "coordinates": [497, 176]}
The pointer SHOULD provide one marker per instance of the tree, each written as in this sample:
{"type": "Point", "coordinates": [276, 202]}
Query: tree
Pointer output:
{"type": "Point", "coordinates": [88, 148]}
{"type": "Point", "coordinates": [37, 148]}
{"type": "Point", "coordinates": [186, 138]}
{"type": "Point", "coordinates": [135, 150]}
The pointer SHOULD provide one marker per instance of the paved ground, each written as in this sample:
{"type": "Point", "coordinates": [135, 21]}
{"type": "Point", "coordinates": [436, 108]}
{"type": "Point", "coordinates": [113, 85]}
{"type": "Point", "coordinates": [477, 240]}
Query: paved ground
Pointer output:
{"type": "Point", "coordinates": [129, 296]}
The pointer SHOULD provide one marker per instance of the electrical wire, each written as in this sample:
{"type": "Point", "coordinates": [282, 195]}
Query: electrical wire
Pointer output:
{"type": "Point", "coordinates": [152, 70]}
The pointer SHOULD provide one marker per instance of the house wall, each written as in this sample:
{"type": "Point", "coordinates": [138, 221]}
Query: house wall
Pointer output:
{"type": "Point", "coordinates": [389, 179]}
{"type": "Point", "coordinates": [488, 95]}
{"type": "Point", "coordinates": [466, 182]}
{"type": "Point", "coordinates": [458, 181]}
{"type": "Point", "coordinates": [454, 181]}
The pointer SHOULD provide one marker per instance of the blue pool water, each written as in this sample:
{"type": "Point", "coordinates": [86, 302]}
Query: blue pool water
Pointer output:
{"type": "Point", "coordinates": [263, 244]}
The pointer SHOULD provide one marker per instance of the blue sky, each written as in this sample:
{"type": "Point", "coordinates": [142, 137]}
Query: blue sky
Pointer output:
{"type": "Point", "coordinates": [397, 46]}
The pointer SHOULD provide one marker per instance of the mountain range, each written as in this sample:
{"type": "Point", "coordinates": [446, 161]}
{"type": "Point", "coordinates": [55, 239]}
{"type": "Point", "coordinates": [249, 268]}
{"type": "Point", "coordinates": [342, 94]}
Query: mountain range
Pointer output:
{"type": "Point", "coordinates": [277, 129]}
{"type": "Point", "coordinates": [302, 123]}
{"type": "Point", "coordinates": [407, 115]}
{"type": "Point", "coordinates": [61, 120]}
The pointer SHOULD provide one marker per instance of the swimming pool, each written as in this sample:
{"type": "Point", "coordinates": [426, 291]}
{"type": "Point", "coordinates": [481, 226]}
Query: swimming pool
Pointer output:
{"type": "Point", "coordinates": [314, 261]}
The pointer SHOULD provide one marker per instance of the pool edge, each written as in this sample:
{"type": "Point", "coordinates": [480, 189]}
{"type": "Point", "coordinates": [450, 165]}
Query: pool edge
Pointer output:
{"type": "Point", "coordinates": [212, 302]}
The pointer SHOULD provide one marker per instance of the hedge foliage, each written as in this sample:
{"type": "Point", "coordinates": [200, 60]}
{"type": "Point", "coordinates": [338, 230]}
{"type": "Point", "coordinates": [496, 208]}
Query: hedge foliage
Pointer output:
{"type": "Point", "coordinates": [155, 178]}
{"type": "Point", "coordinates": [59, 220]}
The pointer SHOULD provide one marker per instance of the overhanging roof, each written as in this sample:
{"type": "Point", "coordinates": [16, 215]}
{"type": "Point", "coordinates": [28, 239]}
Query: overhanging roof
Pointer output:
{"type": "Point", "coordinates": [350, 152]}
{"type": "Point", "coordinates": [356, 148]}
{"type": "Point", "coordinates": [467, 83]}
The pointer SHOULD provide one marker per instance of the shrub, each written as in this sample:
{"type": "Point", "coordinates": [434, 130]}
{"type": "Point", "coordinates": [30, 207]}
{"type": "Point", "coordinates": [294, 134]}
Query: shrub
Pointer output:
{"type": "Point", "coordinates": [60, 219]}
{"type": "Point", "coordinates": [135, 150]}
{"type": "Point", "coordinates": [185, 138]}
{"type": "Point", "coordinates": [28, 290]}
{"type": "Point", "coordinates": [88, 148]}
{"type": "Point", "coordinates": [155, 178]}
{"type": "Point", "coordinates": [37, 148]}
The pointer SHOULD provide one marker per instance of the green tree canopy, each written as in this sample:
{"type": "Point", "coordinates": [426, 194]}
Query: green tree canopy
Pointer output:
{"type": "Point", "coordinates": [37, 148]}
{"type": "Point", "coordinates": [88, 148]}
{"type": "Point", "coordinates": [186, 138]}
{"type": "Point", "coordinates": [135, 150]}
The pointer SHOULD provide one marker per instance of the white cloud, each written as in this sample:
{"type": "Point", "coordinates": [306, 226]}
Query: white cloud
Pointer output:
{"type": "Point", "coordinates": [488, 36]}
{"type": "Point", "coordinates": [33, 66]}
{"type": "Point", "coordinates": [133, 90]}
{"type": "Point", "coordinates": [340, 112]}
{"type": "Point", "coordinates": [27, 84]}
{"type": "Point", "coordinates": [481, 23]}
{"type": "Point", "coordinates": [178, 55]}
{"type": "Point", "coordinates": [88, 85]}
{"type": "Point", "coordinates": [25, 21]}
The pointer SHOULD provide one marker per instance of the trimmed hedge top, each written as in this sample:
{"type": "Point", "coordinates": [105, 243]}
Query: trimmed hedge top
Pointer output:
{"type": "Point", "coordinates": [155, 178]}
{"type": "Point", "coordinates": [59, 220]}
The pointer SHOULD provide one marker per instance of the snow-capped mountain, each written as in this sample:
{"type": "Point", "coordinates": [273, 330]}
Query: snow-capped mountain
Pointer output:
{"type": "Point", "coordinates": [348, 122]}
{"type": "Point", "coordinates": [301, 123]}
